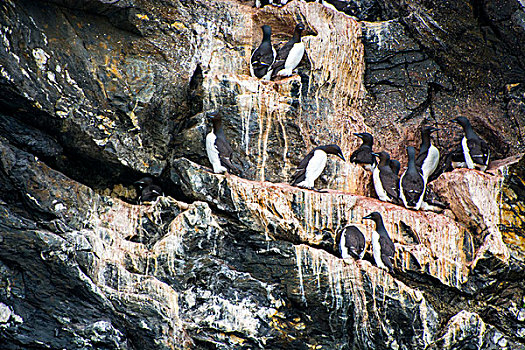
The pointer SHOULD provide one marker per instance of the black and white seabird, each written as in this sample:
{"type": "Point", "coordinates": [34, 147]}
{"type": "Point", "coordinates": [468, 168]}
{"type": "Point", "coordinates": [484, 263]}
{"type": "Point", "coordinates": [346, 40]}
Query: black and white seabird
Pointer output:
{"type": "Point", "coordinates": [148, 191]}
{"type": "Point", "coordinates": [363, 155]}
{"type": "Point", "coordinates": [313, 165]}
{"type": "Point", "coordinates": [218, 149]}
{"type": "Point", "coordinates": [351, 243]}
{"type": "Point", "coordinates": [476, 152]}
{"type": "Point", "coordinates": [263, 57]}
{"type": "Point", "coordinates": [386, 183]}
{"type": "Point", "coordinates": [428, 157]}
{"type": "Point", "coordinates": [289, 55]}
{"type": "Point", "coordinates": [412, 184]}
{"type": "Point", "coordinates": [261, 3]}
{"type": "Point", "coordinates": [382, 246]}
{"type": "Point", "coordinates": [395, 166]}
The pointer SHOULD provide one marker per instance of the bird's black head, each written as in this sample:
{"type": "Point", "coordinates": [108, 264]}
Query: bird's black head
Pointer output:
{"type": "Point", "coordinates": [216, 119]}
{"type": "Point", "coordinates": [144, 182]}
{"type": "Point", "coordinates": [383, 156]}
{"type": "Point", "coordinates": [395, 166]}
{"type": "Point", "coordinates": [374, 216]}
{"type": "Point", "coordinates": [299, 27]}
{"type": "Point", "coordinates": [267, 30]}
{"type": "Point", "coordinates": [333, 149]}
{"type": "Point", "coordinates": [214, 115]}
{"type": "Point", "coordinates": [367, 138]}
{"type": "Point", "coordinates": [464, 122]}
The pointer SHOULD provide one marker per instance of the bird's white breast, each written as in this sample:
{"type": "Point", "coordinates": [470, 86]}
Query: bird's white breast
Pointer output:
{"type": "Point", "coordinates": [342, 244]}
{"type": "Point", "coordinates": [466, 153]}
{"type": "Point", "coordinates": [376, 248]}
{"type": "Point", "coordinates": [431, 162]}
{"type": "Point", "coordinates": [315, 167]}
{"type": "Point", "coordinates": [213, 153]}
{"type": "Point", "coordinates": [294, 57]}
{"type": "Point", "coordinates": [378, 186]}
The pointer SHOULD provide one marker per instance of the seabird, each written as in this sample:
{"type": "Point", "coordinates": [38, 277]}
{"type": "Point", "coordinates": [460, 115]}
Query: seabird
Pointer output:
{"type": "Point", "coordinates": [476, 152]}
{"type": "Point", "coordinates": [395, 166]}
{"type": "Point", "coordinates": [313, 165]}
{"type": "Point", "coordinates": [261, 3]}
{"type": "Point", "coordinates": [386, 183]}
{"type": "Point", "coordinates": [218, 149]}
{"type": "Point", "coordinates": [363, 155]}
{"type": "Point", "coordinates": [289, 55]}
{"type": "Point", "coordinates": [382, 246]}
{"type": "Point", "coordinates": [351, 243]}
{"type": "Point", "coordinates": [428, 157]}
{"type": "Point", "coordinates": [263, 57]}
{"type": "Point", "coordinates": [148, 191]}
{"type": "Point", "coordinates": [412, 184]}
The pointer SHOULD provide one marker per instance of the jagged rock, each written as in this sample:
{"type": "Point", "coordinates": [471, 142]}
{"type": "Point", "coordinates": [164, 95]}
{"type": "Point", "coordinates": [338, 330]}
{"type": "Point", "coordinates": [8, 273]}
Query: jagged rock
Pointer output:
{"type": "Point", "coordinates": [476, 200]}
{"type": "Point", "coordinates": [427, 243]}
{"type": "Point", "coordinates": [201, 282]}
{"type": "Point", "coordinates": [95, 93]}
{"type": "Point", "coordinates": [467, 330]}
{"type": "Point", "coordinates": [475, 41]}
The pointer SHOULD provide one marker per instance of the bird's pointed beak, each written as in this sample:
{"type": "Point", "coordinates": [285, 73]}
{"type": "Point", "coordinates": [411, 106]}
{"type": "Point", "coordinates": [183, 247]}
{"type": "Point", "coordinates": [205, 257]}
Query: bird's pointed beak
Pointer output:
{"type": "Point", "coordinates": [358, 135]}
{"type": "Point", "coordinates": [139, 183]}
{"type": "Point", "coordinates": [368, 217]}
{"type": "Point", "coordinates": [375, 154]}
{"type": "Point", "coordinates": [340, 155]}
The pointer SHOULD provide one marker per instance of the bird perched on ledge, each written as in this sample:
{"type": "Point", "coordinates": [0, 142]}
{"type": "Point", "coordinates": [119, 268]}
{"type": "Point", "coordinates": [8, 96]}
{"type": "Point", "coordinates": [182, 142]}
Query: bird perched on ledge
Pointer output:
{"type": "Point", "coordinates": [263, 57]}
{"type": "Point", "coordinates": [476, 152]}
{"type": "Point", "coordinates": [289, 55]}
{"type": "Point", "coordinates": [351, 242]}
{"type": "Point", "coordinates": [148, 191]}
{"type": "Point", "coordinates": [428, 157]}
{"type": "Point", "coordinates": [412, 184]}
{"type": "Point", "coordinates": [382, 246]}
{"type": "Point", "coordinates": [386, 183]}
{"type": "Point", "coordinates": [363, 155]}
{"type": "Point", "coordinates": [313, 165]}
{"type": "Point", "coordinates": [218, 149]}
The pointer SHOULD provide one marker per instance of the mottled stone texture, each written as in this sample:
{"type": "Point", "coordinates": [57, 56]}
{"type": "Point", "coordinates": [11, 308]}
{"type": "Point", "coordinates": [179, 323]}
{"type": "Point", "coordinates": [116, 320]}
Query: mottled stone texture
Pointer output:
{"type": "Point", "coordinates": [95, 94]}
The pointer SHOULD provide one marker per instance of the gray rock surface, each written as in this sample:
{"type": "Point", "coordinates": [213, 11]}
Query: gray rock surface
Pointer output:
{"type": "Point", "coordinates": [95, 94]}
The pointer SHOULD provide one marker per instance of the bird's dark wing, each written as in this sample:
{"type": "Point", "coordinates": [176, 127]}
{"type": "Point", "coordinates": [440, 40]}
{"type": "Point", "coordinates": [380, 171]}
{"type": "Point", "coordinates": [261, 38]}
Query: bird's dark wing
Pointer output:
{"type": "Point", "coordinates": [456, 154]}
{"type": "Point", "coordinates": [282, 55]}
{"type": "Point", "coordinates": [224, 148]}
{"type": "Point", "coordinates": [390, 182]}
{"type": "Point", "coordinates": [387, 251]}
{"type": "Point", "coordinates": [150, 193]}
{"type": "Point", "coordinates": [262, 59]}
{"type": "Point", "coordinates": [413, 186]}
{"type": "Point", "coordinates": [354, 241]}
{"type": "Point", "coordinates": [479, 151]}
{"type": "Point", "coordinates": [363, 155]}
{"type": "Point", "coordinates": [420, 159]}
{"type": "Point", "coordinates": [225, 155]}
{"type": "Point", "coordinates": [300, 173]}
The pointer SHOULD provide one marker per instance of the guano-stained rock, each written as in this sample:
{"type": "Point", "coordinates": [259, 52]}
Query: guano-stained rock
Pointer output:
{"type": "Point", "coordinates": [96, 93]}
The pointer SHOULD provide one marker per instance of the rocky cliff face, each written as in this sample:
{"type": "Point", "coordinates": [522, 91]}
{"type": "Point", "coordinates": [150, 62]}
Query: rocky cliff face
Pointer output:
{"type": "Point", "coordinates": [95, 94]}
